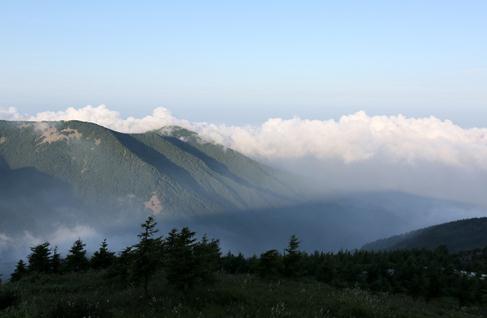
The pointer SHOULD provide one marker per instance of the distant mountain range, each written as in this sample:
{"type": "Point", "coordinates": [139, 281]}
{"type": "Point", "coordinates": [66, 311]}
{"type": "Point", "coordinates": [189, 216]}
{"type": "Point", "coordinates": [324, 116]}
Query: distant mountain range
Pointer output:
{"type": "Point", "coordinates": [69, 179]}
{"type": "Point", "coordinates": [459, 235]}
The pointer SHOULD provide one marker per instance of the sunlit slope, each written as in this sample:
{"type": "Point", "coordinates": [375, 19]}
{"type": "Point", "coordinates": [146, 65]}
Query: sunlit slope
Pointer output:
{"type": "Point", "coordinates": [170, 171]}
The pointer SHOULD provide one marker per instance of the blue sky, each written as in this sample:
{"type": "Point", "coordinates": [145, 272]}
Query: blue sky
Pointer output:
{"type": "Point", "coordinates": [243, 62]}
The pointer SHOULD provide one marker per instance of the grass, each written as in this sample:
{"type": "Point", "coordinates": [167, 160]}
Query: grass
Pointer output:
{"type": "Point", "coordinates": [92, 295]}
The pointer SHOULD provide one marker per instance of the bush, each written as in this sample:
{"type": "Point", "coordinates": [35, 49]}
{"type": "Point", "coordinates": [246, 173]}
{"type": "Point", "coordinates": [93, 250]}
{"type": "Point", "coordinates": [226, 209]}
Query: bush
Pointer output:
{"type": "Point", "coordinates": [8, 298]}
{"type": "Point", "coordinates": [77, 308]}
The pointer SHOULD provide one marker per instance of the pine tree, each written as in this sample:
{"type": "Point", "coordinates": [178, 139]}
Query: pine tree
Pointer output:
{"type": "Point", "coordinates": [103, 258]}
{"type": "Point", "coordinates": [207, 254]}
{"type": "Point", "coordinates": [55, 261]}
{"type": "Point", "coordinates": [39, 259]}
{"type": "Point", "coordinates": [20, 271]}
{"type": "Point", "coordinates": [292, 258]}
{"type": "Point", "coordinates": [181, 264]}
{"type": "Point", "coordinates": [122, 266]}
{"type": "Point", "coordinates": [270, 264]}
{"type": "Point", "coordinates": [146, 254]}
{"type": "Point", "coordinates": [76, 260]}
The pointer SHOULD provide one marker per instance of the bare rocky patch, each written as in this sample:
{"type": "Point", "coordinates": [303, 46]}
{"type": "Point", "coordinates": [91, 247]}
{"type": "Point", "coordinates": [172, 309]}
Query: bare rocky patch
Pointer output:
{"type": "Point", "coordinates": [154, 204]}
{"type": "Point", "coordinates": [50, 134]}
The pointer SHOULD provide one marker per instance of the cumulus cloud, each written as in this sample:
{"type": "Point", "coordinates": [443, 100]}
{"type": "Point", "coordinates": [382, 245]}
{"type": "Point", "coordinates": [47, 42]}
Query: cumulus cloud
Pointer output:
{"type": "Point", "coordinates": [352, 138]}
{"type": "Point", "coordinates": [65, 234]}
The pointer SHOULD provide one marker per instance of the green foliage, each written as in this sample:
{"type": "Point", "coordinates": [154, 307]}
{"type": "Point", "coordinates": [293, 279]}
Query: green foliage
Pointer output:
{"type": "Point", "coordinates": [103, 258]}
{"type": "Point", "coordinates": [87, 294]}
{"type": "Point", "coordinates": [234, 264]}
{"type": "Point", "coordinates": [146, 254]}
{"type": "Point", "coordinates": [76, 259]}
{"type": "Point", "coordinates": [19, 272]}
{"type": "Point", "coordinates": [40, 258]}
{"type": "Point", "coordinates": [101, 167]}
{"type": "Point", "coordinates": [207, 254]}
{"type": "Point", "coordinates": [462, 235]}
{"type": "Point", "coordinates": [187, 277]}
{"type": "Point", "coordinates": [8, 298]}
{"type": "Point", "coordinates": [292, 267]}
{"type": "Point", "coordinates": [270, 264]}
{"type": "Point", "coordinates": [181, 264]}
{"type": "Point", "coordinates": [56, 263]}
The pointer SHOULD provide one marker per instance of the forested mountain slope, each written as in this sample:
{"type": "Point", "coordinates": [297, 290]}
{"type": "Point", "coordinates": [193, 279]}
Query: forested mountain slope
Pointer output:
{"type": "Point", "coordinates": [456, 236]}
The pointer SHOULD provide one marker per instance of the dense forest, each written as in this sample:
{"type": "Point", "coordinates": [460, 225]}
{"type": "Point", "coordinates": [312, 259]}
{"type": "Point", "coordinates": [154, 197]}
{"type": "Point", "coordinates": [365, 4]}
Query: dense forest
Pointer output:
{"type": "Point", "coordinates": [183, 275]}
{"type": "Point", "coordinates": [460, 235]}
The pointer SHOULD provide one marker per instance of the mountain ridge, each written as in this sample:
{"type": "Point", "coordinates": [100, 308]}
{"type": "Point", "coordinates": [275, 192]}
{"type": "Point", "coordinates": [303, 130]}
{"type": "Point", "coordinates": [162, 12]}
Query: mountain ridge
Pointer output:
{"type": "Point", "coordinates": [460, 235]}
{"type": "Point", "coordinates": [184, 171]}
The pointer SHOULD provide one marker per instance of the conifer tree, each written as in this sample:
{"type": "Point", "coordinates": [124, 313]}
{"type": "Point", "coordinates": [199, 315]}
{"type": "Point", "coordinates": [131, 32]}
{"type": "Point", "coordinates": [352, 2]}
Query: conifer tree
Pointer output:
{"type": "Point", "coordinates": [146, 253]}
{"type": "Point", "coordinates": [55, 261]}
{"type": "Point", "coordinates": [270, 264]}
{"type": "Point", "coordinates": [207, 254]}
{"type": "Point", "coordinates": [181, 264]}
{"type": "Point", "coordinates": [292, 258]}
{"type": "Point", "coordinates": [76, 260]}
{"type": "Point", "coordinates": [103, 258]}
{"type": "Point", "coordinates": [122, 265]}
{"type": "Point", "coordinates": [39, 259]}
{"type": "Point", "coordinates": [19, 272]}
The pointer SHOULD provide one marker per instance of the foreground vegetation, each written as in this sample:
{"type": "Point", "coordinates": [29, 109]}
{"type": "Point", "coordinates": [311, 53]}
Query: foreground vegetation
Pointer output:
{"type": "Point", "coordinates": [90, 295]}
{"type": "Point", "coordinates": [180, 276]}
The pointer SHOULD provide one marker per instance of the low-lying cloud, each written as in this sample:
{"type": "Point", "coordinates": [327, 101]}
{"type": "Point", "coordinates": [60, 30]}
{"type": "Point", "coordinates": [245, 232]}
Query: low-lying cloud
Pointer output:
{"type": "Point", "coordinates": [426, 156]}
{"type": "Point", "coordinates": [352, 138]}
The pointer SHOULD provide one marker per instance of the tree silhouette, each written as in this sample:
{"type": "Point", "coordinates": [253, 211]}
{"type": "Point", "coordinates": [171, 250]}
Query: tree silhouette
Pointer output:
{"type": "Point", "coordinates": [180, 265]}
{"type": "Point", "coordinates": [146, 253]}
{"type": "Point", "coordinates": [292, 259]}
{"type": "Point", "coordinates": [207, 254]}
{"type": "Point", "coordinates": [20, 271]}
{"type": "Point", "coordinates": [76, 260]}
{"type": "Point", "coordinates": [103, 258]}
{"type": "Point", "coordinates": [55, 261]}
{"type": "Point", "coordinates": [39, 259]}
{"type": "Point", "coordinates": [270, 264]}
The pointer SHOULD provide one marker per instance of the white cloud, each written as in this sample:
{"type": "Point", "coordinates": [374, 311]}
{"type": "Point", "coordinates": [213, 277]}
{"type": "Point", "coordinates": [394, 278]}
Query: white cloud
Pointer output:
{"type": "Point", "coordinates": [353, 138]}
{"type": "Point", "coordinates": [62, 235]}
{"type": "Point", "coordinates": [5, 241]}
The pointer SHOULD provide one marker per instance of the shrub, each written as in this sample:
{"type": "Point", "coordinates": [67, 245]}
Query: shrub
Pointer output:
{"type": "Point", "coordinates": [8, 298]}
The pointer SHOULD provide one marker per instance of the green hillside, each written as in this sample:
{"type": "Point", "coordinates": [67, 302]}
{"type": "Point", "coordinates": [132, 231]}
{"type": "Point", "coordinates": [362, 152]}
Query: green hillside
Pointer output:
{"type": "Point", "coordinates": [167, 172]}
{"type": "Point", "coordinates": [456, 236]}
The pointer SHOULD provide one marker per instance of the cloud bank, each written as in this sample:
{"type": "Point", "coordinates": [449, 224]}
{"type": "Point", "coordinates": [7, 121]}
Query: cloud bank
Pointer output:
{"type": "Point", "coordinates": [352, 138]}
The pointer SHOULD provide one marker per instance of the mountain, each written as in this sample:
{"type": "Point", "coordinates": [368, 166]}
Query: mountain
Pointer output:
{"type": "Point", "coordinates": [63, 180]}
{"type": "Point", "coordinates": [459, 235]}
{"type": "Point", "coordinates": [168, 172]}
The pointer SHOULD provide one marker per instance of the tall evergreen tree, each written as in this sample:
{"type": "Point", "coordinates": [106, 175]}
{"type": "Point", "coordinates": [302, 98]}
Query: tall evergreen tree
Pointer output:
{"type": "Point", "coordinates": [103, 258]}
{"type": "Point", "coordinates": [146, 253]}
{"type": "Point", "coordinates": [40, 258]}
{"type": "Point", "coordinates": [122, 266]}
{"type": "Point", "coordinates": [270, 264]}
{"type": "Point", "coordinates": [292, 258]}
{"type": "Point", "coordinates": [76, 260]}
{"type": "Point", "coordinates": [55, 261]}
{"type": "Point", "coordinates": [207, 254]}
{"type": "Point", "coordinates": [19, 272]}
{"type": "Point", "coordinates": [180, 261]}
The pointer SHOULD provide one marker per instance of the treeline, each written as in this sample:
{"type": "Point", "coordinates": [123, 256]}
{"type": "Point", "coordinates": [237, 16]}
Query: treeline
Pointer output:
{"type": "Point", "coordinates": [425, 274]}
{"type": "Point", "coordinates": [187, 261]}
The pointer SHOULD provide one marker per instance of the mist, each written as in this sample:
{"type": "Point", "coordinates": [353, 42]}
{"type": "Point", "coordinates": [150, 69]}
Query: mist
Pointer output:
{"type": "Point", "coordinates": [360, 178]}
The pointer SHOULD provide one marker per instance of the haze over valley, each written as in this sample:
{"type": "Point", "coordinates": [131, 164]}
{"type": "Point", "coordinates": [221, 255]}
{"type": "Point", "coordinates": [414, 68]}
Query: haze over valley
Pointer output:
{"type": "Point", "coordinates": [243, 159]}
{"type": "Point", "coordinates": [338, 186]}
